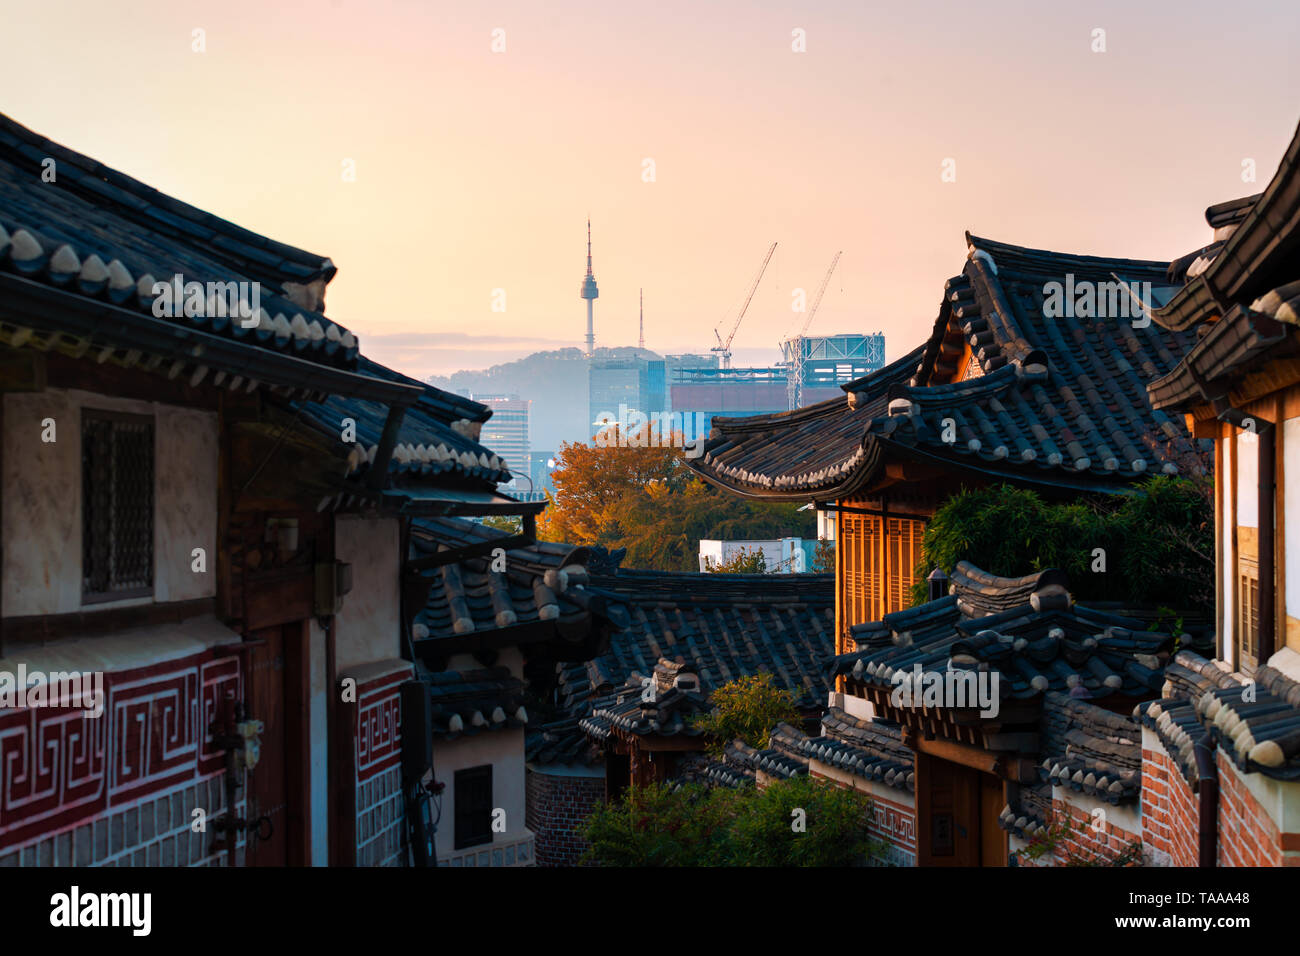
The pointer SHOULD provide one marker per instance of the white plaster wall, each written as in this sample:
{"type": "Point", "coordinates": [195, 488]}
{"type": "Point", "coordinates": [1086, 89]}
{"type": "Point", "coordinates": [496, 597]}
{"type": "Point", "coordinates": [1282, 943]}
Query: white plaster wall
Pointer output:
{"type": "Point", "coordinates": [1287, 661]}
{"type": "Point", "coordinates": [185, 479]}
{"type": "Point", "coordinates": [42, 500]}
{"type": "Point", "coordinates": [857, 706]}
{"type": "Point", "coordinates": [1247, 447]}
{"type": "Point", "coordinates": [1291, 495]}
{"type": "Point", "coordinates": [504, 750]}
{"type": "Point", "coordinates": [368, 628]}
{"type": "Point", "coordinates": [319, 761]}
{"type": "Point", "coordinates": [42, 505]}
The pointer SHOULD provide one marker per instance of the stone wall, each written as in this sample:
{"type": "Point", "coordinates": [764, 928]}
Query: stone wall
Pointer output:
{"type": "Point", "coordinates": [557, 803]}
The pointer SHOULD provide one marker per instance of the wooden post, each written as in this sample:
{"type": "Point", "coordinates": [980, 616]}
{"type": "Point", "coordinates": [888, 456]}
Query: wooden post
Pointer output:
{"type": "Point", "coordinates": [377, 477]}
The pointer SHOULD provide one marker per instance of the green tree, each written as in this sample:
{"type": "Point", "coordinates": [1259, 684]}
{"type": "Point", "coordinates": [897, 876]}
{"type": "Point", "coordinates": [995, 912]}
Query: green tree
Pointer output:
{"type": "Point", "coordinates": [747, 708]}
{"type": "Point", "coordinates": [801, 821]}
{"type": "Point", "coordinates": [1154, 546]}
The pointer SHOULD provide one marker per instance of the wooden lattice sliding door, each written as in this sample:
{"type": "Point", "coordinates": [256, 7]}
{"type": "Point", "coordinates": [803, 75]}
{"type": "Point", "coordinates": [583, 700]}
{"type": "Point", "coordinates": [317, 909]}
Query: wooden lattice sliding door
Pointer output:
{"type": "Point", "coordinates": [878, 557]}
{"type": "Point", "coordinates": [904, 544]}
{"type": "Point", "coordinates": [861, 561]}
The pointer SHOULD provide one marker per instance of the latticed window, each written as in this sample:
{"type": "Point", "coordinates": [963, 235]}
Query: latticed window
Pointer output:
{"type": "Point", "coordinates": [117, 475]}
{"type": "Point", "coordinates": [1248, 609]}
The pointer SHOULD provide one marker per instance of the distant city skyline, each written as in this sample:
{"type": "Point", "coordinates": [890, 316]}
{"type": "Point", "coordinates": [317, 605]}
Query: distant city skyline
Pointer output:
{"type": "Point", "coordinates": [475, 171]}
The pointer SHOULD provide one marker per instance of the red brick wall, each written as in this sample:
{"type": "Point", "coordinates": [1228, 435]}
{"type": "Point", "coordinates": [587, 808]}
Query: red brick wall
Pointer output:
{"type": "Point", "coordinates": [1170, 817]}
{"type": "Point", "coordinates": [1089, 837]}
{"type": "Point", "coordinates": [556, 805]}
{"type": "Point", "coordinates": [1170, 810]}
{"type": "Point", "coordinates": [1247, 835]}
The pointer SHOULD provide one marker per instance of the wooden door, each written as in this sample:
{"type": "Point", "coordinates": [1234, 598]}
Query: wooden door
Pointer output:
{"type": "Point", "coordinates": [266, 790]}
{"type": "Point", "coordinates": [957, 816]}
{"type": "Point", "coordinates": [948, 821]}
{"type": "Point", "coordinates": [278, 787]}
{"type": "Point", "coordinates": [993, 839]}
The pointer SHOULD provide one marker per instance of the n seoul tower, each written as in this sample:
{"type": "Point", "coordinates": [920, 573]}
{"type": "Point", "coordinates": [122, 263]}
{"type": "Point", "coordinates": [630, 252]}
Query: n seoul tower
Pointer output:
{"type": "Point", "coordinates": [589, 292]}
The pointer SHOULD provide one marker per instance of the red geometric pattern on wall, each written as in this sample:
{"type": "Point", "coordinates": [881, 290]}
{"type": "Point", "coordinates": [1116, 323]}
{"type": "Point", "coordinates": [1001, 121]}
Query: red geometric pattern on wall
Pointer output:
{"type": "Point", "coordinates": [379, 712]}
{"type": "Point", "coordinates": [59, 767]}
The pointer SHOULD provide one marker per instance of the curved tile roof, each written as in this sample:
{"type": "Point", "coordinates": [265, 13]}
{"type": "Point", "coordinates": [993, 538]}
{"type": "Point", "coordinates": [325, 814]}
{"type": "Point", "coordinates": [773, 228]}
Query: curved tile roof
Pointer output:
{"type": "Point", "coordinates": [438, 438]}
{"type": "Point", "coordinates": [543, 582]}
{"type": "Point", "coordinates": [724, 626]}
{"type": "Point", "coordinates": [1047, 643]}
{"type": "Point", "coordinates": [1176, 724]}
{"type": "Point", "coordinates": [740, 764]}
{"type": "Point", "coordinates": [1266, 238]}
{"type": "Point", "coordinates": [871, 749]}
{"type": "Point", "coordinates": [1256, 725]}
{"type": "Point", "coordinates": [100, 234]}
{"type": "Point", "coordinates": [1047, 400]}
{"type": "Point", "coordinates": [1246, 301]}
{"type": "Point", "coordinates": [1090, 750]}
{"type": "Point", "coordinates": [720, 626]}
{"type": "Point", "coordinates": [470, 702]}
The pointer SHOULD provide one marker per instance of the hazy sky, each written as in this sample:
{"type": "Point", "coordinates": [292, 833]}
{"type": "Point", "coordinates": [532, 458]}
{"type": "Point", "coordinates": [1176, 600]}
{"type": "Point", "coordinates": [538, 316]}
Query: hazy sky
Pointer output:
{"type": "Point", "coordinates": [476, 170]}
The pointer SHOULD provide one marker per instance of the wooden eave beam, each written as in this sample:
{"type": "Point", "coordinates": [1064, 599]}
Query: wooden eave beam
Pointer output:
{"type": "Point", "coordinates": [478, 549]}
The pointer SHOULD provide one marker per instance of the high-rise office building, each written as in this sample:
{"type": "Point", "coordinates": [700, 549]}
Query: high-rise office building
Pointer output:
{"type": "Point", "coordinates": [624, 385]}
{"type": "Point", "coordinates": [506, 432]}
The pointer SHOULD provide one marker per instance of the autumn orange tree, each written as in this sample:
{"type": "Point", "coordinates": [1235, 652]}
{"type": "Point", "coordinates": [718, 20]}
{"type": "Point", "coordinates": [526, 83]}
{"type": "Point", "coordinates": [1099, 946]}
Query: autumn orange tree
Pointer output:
{"type": "Point", "coordinates": [646, 500]}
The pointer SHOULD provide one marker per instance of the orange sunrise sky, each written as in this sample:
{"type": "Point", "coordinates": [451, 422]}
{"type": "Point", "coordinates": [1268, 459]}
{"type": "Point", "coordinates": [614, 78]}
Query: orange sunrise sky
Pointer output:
{"type": "Point", "coordinates": [476, 170]}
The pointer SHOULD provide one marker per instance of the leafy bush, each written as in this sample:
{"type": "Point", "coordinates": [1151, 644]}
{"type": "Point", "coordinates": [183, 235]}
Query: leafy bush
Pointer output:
{"type": "Point", "coordinates": [743, 561]}
{"type": "Point", "coordinates": [747, 708]}
{"type": "Point", "coordinates": [1158, 542]}
{"type": "Point", "coordinates": [659, 825]}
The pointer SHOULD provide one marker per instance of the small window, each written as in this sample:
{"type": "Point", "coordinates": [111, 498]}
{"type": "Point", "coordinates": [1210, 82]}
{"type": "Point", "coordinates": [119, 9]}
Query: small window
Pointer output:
{"type": "Point", "coordinates": [117, 502]}
{"type": "Point", "coordinates": [1248, 609]}
{"type": "Point", "coordinates": [473, 806]}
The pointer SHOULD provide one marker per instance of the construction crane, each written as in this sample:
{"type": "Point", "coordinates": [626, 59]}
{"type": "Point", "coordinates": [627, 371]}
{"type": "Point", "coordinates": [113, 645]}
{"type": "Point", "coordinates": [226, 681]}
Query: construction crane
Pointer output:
{"type": "Point", "coordinates": [794, 381]}
{"type": "Point", "coordinates": [725, 347]}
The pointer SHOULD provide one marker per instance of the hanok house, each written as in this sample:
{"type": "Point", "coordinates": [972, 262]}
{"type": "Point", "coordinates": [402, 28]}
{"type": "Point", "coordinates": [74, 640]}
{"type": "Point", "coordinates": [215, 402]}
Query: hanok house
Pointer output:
{"type": "Point", "coordinates": [1011, 386]}
{"type": "Point", "coordinates": [489, 613]}
{"type": "Point", "coordinates": [1227, 736]}
{"type": "Point", "coordinates": [627, 716]}
{"type": "Point", "coordinates": [192, 509]}
{"type": "Point", "coordinates": [1040, 733]}
{"type": "Point", "coordinates": [1035, 374]}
